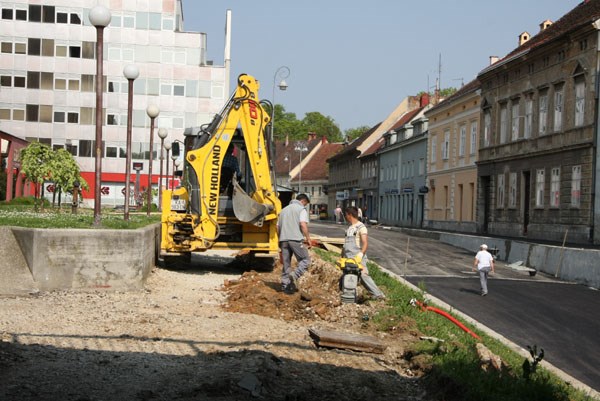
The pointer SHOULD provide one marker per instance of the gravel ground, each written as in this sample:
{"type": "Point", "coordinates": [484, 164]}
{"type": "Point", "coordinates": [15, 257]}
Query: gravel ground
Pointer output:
{"type": "Point", "coordinates": [197, 335]}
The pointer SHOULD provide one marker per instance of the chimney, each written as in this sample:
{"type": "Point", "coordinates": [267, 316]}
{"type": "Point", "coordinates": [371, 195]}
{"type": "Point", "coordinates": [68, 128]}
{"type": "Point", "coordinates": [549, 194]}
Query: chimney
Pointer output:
{"type": "Point", "coordinates": [494, 59]}
{"type": "Point", "coordinates": [312, 135]}
{"type": "Point", "coordinates": [287, 140]}
{"type": "Point", "coordinates": [424, 101]}
{"type": "Point", "coordinates": [324, 140]}
{"type": "Point", "coordinates": [545, 24]}
{"type": "Point", "coordinates": [524, 37]}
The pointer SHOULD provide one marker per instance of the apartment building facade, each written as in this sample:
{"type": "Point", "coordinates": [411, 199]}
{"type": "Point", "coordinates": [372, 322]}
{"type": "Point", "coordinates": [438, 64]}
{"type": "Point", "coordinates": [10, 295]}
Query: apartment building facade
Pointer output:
{"type": "Point", "coordinates": [451, 156]}
{"type": "Point", "coordinates": [47, 73]}
{"type": "Point", "coordinates": [538, 147]}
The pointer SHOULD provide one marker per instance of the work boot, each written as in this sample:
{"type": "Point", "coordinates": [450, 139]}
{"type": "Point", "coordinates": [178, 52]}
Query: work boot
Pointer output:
{"type": "Point", "coordinates": [291, 288]}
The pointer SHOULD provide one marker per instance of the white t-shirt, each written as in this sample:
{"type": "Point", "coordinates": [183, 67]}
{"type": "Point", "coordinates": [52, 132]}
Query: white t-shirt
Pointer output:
{"type": "Point", "coordinates": [484, 259]}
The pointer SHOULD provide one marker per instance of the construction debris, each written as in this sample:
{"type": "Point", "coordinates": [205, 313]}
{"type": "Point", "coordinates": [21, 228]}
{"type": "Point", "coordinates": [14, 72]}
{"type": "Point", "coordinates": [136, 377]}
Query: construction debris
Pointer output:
{"type": "Point", "coordinates": [355, 342]}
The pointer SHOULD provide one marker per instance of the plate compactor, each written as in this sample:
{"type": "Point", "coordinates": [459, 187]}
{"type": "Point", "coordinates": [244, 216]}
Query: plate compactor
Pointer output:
{"type": "Point", "coordinates": [350, 278]}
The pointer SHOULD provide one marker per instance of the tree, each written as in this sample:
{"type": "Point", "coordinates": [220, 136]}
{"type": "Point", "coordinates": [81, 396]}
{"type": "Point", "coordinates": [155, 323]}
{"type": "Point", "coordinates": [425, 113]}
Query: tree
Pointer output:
{"type": "Point", "coordinates": [35, 165]}
{"type": "Point", "coordinates": [65, 171]}
{"type": "Point", "coordinates": [322, 126]}
{"type": "Point", "coordinates": [286, 124]}
{"type": "Point", "coordinates": [40, 163]}
{"type": "Point", "coordinates": [353, 133]}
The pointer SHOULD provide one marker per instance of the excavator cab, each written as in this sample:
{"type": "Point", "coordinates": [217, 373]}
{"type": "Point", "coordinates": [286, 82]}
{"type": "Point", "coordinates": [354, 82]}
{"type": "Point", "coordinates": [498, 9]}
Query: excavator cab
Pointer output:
{"type": "Point", "coordinates": [227, 204]}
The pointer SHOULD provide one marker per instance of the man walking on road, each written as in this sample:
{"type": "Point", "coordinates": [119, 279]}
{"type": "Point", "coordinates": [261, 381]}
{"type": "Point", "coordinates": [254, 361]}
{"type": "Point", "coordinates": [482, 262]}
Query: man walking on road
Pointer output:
{"type": "Point", "coordinates": [356, 243]}
{"type": "Point", "coordinates": [484, 263]}
{"type": "Point", "coordinates": [292, 228]}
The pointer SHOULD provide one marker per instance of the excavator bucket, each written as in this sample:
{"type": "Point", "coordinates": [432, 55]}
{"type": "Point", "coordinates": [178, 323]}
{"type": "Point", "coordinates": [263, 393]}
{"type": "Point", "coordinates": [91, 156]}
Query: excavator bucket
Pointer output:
{"type": "Point", "coordinates": [247, 209]}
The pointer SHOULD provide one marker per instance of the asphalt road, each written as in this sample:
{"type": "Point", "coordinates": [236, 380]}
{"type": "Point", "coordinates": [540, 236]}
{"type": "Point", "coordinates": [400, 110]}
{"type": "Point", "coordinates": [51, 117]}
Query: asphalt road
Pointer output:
{"type": "Point", "coordinates": [559, 317]}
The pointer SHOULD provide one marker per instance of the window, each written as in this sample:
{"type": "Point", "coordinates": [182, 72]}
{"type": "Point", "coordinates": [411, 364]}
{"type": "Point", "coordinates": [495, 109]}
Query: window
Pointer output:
{"type": "Point", "coordinates": [19, 82]}
{"type": "Point", "coordinates": [87, 115]}
{"type": "Point", "coordinates": [33, 79]}
{"type": "Point", "coordinates": [34, 46]}
{"type": "Point", "coordinates": [433, 148]}
{"type": "Point", "coordinates": [576, 186]}
{"type": "Point", "coordinates": [19, 115]}
{"type": "Point", "coordinates": [60, 84]}
{"type": "Point", "coordinates": [87, 50]}
{"type": "Point", "coordinates": [20, 48]}
{"type": "Point", "coordinates": [512, 190]}
{"type": "Point", "coordinates": [579, 101]}
{"type": "Point", "coordinates": [421, 166]}
{"type": "Point", "coordinates": [45, 114]}
{"type": "Point", "coordinates": [62, 18]}
{"type": "Point", "coordinates": [473, 138]}
{"type": "Point", "coordinates": [48, 47]}
{"type": "Point", "coordinates": [21, 15]}
{"type": "Point", "coordinates": [503, 123]}
{"type": "Point", "coordinates": [6, 47]}
{"type": "Point", "coordinates": [487, 127]}
{"type": "Point", "coordinates": [75, 51]}
{"type": "Point", "coordinates": [47, 81]}
{"type": "Point", "coordinates": [558, 109]}
{"type": "Point", "coordinates": [48, 14]}
{"type": "Point", "coordinates": [59, 116]}
{"type": "Point", "coordinates": [75, 19]}
{"type": "Point", "coordinates": [555, 187]}
{"type": "Point", "coordinates": [500, 194]}
{"type": "Point", "coordinates": [112, 119]}
{"type": "Point", "coordinates": [446, 146]}
{"type": "Point", "coordinates": [528, 117]}
{"type": "Point", "coordinates": [543, 113]}
{"type": "Point", "coordinates": [462, 140]}
{"type": "Point", "coordinates": [7, 13]}
{"type": "Point", "coordinates": [515, 120]}
{"type": "Point", "coordinates": [32, 112]}
{"type": "Point", "coordinates": [539, 188]}
{"type": "Point", "coordinates": [61, 50]}
{"type": "Point", "coordinates": [35, 13]}
{"type": "Point", "coordinates": [87, 83]}
{"type": "Point", "coordinates": [73, 117]}
{"type": "Point", "coordinates": [6, 80]}
{"type": "Point", "coordinates": [85, 148]}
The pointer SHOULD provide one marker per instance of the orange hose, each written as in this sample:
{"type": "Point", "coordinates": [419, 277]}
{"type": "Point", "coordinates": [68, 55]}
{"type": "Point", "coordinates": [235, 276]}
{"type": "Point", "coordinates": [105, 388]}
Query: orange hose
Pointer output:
{"type": "Point", "coordinates": [449, 317]}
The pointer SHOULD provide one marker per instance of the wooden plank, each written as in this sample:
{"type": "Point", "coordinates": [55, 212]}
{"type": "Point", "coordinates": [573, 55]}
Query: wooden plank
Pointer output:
{"type": "Point", "coordinates": [356, 342]}
{"type": "Point", "coordinates": [332, 248]}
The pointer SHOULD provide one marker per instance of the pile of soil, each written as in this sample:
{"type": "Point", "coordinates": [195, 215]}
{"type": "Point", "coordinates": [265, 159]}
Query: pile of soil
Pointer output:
{"type": "Point", "coordinates": [204, 334]}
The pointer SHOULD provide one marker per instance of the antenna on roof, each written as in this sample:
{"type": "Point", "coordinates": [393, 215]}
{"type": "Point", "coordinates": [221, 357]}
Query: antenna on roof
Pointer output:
{"type": "Point", "coordinates": [462, 81]}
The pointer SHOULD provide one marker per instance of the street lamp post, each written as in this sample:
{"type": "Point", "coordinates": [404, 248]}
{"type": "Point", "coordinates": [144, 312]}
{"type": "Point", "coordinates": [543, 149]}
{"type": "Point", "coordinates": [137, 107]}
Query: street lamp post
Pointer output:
{"type": "Point", "coordinates": [100, 18]}
{"type": "Point", "coordinates": [131, 72]}
{"type": "Point", "coordinates": [282, 72]}
{"type": "Point", "coordinates": [152, 112]}
{"type": "Point", "coordinates": [300, 147]}
{"type": "Point", "coordinates": [167, 147]}
{"type": "Point", "coordinates": [162, 134]}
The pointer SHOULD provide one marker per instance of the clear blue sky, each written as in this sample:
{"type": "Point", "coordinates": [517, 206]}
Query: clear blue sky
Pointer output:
{"type": "Point", "coordinates": [356, 60]}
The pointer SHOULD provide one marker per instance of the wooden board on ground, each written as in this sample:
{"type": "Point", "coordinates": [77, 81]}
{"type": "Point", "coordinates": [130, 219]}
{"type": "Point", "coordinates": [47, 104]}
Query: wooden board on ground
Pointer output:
{"type": "Point", "coordinates": [329, 240]}
{"type": "Point", "coordinates": [356, 342]}
{"type": "Point", "coordinates": [331, 248]}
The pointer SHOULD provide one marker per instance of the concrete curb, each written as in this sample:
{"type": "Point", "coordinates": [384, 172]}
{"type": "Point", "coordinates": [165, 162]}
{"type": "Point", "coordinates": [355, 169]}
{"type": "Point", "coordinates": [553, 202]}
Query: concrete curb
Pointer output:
{"type": "Point", "coordinates": [524, 353]}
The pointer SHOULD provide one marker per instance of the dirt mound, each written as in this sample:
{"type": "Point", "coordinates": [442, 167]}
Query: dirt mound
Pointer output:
{"type": "Point", "coordinates": [318, 298]}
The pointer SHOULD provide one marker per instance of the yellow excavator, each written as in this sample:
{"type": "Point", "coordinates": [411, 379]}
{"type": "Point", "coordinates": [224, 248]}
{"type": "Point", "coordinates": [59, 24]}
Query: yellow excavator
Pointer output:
{"type": "Point", "coordinates": [227, 204]}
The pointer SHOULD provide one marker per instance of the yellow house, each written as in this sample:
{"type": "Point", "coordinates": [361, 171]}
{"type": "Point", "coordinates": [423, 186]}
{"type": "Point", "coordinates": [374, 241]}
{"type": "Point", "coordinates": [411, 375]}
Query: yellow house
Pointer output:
{"type": "Point", "coordinates": [450, 203]}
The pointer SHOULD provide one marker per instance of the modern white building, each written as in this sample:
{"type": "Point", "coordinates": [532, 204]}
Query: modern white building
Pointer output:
{"type": "Point", "coordinates": [48, 73]}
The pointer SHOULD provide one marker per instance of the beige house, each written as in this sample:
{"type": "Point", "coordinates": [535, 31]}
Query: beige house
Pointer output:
{"type": "Point", "coordinates": [451, 155]}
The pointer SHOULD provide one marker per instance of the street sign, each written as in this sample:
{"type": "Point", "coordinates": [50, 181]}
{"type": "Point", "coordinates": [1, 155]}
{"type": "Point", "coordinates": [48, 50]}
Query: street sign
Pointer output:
{"type": "Point", "coordinates": [138, 166]}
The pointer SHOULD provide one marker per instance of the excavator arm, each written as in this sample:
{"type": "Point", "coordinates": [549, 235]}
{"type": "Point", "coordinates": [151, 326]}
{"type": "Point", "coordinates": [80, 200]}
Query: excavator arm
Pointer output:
{"type": "Point", "coordinates": [205, 224]}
